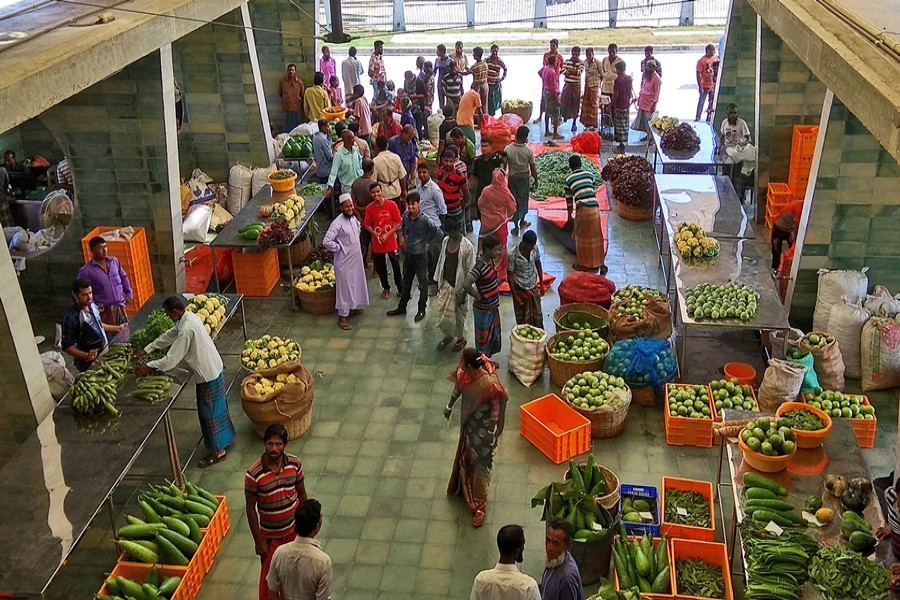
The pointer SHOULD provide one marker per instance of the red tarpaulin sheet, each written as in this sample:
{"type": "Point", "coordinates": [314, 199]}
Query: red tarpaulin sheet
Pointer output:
{"type": "Point", "coordinates": [547, 280]}
{"type": "Point", "coordinates": [602, 198]}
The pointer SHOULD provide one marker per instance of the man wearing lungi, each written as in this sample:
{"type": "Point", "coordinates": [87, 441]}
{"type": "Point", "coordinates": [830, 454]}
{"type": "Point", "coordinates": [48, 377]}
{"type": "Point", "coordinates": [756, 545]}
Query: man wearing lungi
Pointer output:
{"type": "Point", "coordinates": [189, 341]}
{"type": "Point", "coordinates": [580, 190]}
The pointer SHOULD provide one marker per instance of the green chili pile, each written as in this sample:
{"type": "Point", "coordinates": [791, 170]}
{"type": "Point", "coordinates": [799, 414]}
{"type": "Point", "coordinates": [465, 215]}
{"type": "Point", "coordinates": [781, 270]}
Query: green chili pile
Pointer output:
{"type": "Point", "coordinates": [695, 577]}
{"type": "Point", "coordinates": [843, 574]}
{"type": "Point", "coordinates": [695, 504]}
{"type": "Point", "coordinates": [553, 168]}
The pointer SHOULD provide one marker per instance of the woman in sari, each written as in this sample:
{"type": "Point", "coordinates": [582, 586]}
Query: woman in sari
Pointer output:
{"type": "Point", "coordinates": [497, 205]}
{"type": "Point", "coordinates": [480, 424]}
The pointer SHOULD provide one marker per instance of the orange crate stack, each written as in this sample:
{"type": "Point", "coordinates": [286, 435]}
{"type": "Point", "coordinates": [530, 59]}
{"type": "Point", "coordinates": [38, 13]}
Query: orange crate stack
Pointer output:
{"type": "Point", "coordinates": [256, 274]}
{"type": "Point", "coordinates": [684, 431]}
{"type": "Point", "coordinates": [187, 589]}
{"type": "Point", "coordinates": [777, 195]}
{"type": "Point", "coordinates": [710, 552]}
{"type": "Point", "coordinates": [669, 596]}
{"type": "Point", "coordinates": [675, 530]}
{"type": "Point", "coordinates": [555, 428]}
{"type": "Point", "coordinates": [803, 147]}
{"type": "Point", "coordinates": [134, 257]}
{"type": "Point", "coordinates": [864, 429]}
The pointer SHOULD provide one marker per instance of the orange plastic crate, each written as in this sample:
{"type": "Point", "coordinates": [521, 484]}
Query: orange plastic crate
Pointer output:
{"type": "Point", "coordinates": [675, 530]}
{"type": "Point", "coordinates": [191, 575]}
{"type": "Point", "coordinates": [684, 431]}
{"type": "Point", "coordinates": [138, 572]}
{"type": "Point", "coordinates": [133, 251]}
{"type": "Point", "coordinates": [804, 136]}
{"type": "Point", "coordinates": [256, 274]}
{"type": "Point", "coordinates": [717, 416]}
{"type": "Point", "coordinates": [656, 542]}
{"type": "Point", "coordinates": [777, 194]}
{"type": "Point", "coordinates": [554, 428]}
{"type": "Point", "coordinates": [711, 552]}
{"type": "Point", "coordinates": [864, 429]}
{"type": "Point", "coordinates": [213, 535]}
{"type": "Point", "coordinates": [797, 182]}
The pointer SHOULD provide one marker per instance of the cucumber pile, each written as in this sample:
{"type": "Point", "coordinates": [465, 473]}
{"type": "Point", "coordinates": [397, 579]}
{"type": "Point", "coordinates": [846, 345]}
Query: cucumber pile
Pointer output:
{"type": "Point", "coordinates": [639, 564]}
{"type": "Point", "coordinates": [152, 587]}
{"type": "Point", "coordinates": [251, 232]}
{"type": "Point", "coordinates": [169, 533]}
{"type": "Point", "coordinates": [763, 502]}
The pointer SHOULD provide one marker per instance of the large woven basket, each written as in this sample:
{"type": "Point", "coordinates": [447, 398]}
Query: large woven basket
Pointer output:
{"type": "Point", "coordinates": [608, 501]}
{"type": "Point", "coordinates": [563, 370]}
{"type": "Point", "coordinates": [581, 307]}
{"type": "Point", "coordinates": [299, 252]}
{"type": "Point", "coordinates": [606, 422]}
{"type": "Point", "coordinates": [523, 113]}
{"type": "Point", "coordinates": [296, 427]}
{"type": "Point", "coordinates": [317, 303]}
{"type": "Point", "coordinates": [634, 213]}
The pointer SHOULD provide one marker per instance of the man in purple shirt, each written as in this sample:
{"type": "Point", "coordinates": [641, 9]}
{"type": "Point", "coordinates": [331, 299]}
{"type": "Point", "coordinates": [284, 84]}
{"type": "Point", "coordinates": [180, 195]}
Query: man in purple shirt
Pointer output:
{"type": "Point", "coordinates": [561, 580]}
{"type": "Point", "coordinates": [109, 283]}
{"type": "Point", "coordinates": [404, 146]}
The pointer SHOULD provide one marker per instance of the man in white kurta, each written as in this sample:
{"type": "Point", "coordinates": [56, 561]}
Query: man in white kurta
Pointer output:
{"type": "Point", "coordinates": [342, 239]}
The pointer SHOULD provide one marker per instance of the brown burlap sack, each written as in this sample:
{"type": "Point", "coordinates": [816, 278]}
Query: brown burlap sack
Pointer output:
{"type": "Point", "coordinates": [289, 405]}
{"type": "Point", "coordinates": [781, 383]}
{"type": "Point", "coordinates": [828, 363]}
{"type": "Point", "coordinates": [657, 321]}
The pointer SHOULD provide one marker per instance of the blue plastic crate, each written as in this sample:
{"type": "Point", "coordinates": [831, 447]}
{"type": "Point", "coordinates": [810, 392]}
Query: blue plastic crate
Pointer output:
{"type": "Point", "coordinates": [647, 492]}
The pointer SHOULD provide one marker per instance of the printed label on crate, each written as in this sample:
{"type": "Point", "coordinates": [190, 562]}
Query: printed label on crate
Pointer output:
{"type": "Point", "coordinates": [646, 515]}
{"type": "Point", "coordinates": [681, 511]}
{"type": "Point", "coordinates": [772, 527]}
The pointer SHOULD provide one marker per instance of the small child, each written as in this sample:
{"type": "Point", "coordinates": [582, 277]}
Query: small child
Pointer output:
{"type": "Point", "coordinates": [334, 91]}
{"type": "Point", "coordinates": [391, 94]}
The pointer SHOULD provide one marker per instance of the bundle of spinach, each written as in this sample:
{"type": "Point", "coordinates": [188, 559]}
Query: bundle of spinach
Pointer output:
{"type": "Point", "coordinates": [157, 324]}
{"type": "Point", "coordinates": [687, 508]}
{"type": "Point", "coordinates": [695, 577]}
{"type": "Point", "coordinates": [844, 574]}
{"type": "Point", "coordinates": [553, 168]}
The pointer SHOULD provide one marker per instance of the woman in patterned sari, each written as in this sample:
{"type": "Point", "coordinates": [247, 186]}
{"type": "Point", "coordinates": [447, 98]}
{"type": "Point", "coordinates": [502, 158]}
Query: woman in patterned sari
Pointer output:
{"type": "Point", "coordinates": [480, 424]}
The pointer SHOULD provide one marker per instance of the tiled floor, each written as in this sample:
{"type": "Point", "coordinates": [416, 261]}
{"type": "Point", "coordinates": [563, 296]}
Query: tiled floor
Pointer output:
{"type": "Point", "coordinates": [379, 452]}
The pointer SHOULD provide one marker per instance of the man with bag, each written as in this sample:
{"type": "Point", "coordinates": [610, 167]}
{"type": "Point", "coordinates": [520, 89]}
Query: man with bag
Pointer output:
{"type": "Point", "coordinates": [273, 489]}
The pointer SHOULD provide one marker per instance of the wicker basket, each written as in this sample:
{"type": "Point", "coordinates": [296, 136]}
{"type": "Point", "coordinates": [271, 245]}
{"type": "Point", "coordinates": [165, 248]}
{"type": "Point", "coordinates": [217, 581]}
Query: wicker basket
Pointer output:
{"type": "Point", "coordinates": [317, 303]}
{"type": "Point", "coordinates": [633, 213]}
{"type": "Point", "coordinates": [583, 307]}
{"type": "Point", "coordinates": [523, 113]}
{"type": "Point", "coordinates": [298, 426]}
{"type": "Point", "coordinates": [645, 395]}
{"type": "Point", "coordinates": [563, 370]}
{"type": "Point", "coordinates": [606, 422]}
{"type": "Point", "coordinates": [299, 252]}
{"type": "Point", "coordinates": [609, 501]}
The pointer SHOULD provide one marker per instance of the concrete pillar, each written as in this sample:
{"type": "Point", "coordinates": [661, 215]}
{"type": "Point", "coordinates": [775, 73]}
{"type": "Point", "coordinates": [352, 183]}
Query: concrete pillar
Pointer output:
{"type": "Point", "coordinates": [853, 213]}
{"type": "Point", "coordinates": [294, 44]}
{"type": "Point", "coordinates": [470, 14]}
{"type": "Point", "coordinates": [399, 20]}
{"type": "Point", "coordinates": [737, 74]}
{"type": "Point", "coordinates": [540, 14]}
{"type": "Point", "coordinates": [223, 123]}
{"type": "Point", "coordinates": [686, 18]}
{"type": "Point", "coordinates": [613, 13]}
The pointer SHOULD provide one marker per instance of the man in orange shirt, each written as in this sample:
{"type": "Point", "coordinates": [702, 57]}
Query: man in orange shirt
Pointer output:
{"type": "Point", "coordinates": [469, 109]}
{"type": "Point", "coordinates": [707, 73]}
{"type": "Point", "coordinates": [290, 90]}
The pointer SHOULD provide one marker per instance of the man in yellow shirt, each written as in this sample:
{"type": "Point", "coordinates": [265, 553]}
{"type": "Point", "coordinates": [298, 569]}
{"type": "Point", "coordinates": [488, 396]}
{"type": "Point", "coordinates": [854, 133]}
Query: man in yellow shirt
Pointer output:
{"type": "Point", "coordinates": [316, 99]}
{"type": "Point", "coordinates": [480, 73]}
{"type": "Point", "coordinates": [469, 109]}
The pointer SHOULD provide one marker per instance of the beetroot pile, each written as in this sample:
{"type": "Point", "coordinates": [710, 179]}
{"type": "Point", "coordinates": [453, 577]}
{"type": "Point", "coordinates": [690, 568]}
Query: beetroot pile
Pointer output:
{"type": "Point", "coordinates": [631, 179]}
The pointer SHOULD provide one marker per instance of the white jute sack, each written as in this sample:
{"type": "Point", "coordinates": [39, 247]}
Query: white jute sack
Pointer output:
{"type": "Point", "coordinates": [781, 383]}
{"type": "Point", "coordinates": [882, 304]}
{"type": "Point", "coordinates": [833, 285]}
{"type": "Point", "coordinates": [239, 178]}
{"type": "Point", "coordinates": [846, 325]}
{"type": "Point", "coordinates": [526, 357]}
{"type": "Point", "coordinates": [260, 178]}
{"type": "Point", "coordinates": [880, 354]}
{"type": "Point", "coordinates": [433, 125]}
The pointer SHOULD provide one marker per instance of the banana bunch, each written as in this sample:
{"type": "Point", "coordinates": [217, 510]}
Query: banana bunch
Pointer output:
{"type": "Point", "coordinates": [692, 242]}
{"type": "Point", "coordinates": [94, 392]}
{"type": "Point", "coordinates": [663, 123]}
{"type": "Point", "coordinates": [152, 388]}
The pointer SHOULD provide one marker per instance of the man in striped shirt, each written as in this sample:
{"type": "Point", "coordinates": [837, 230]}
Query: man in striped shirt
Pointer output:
{"type": "Point", "coordinates": [455, 188]}
{"type": "Point", "coordinates": [273, 489]}
{"type": "Point", "coordinates": [480, 72]}
{"type": "Point", "coordinates": [495, 80]}
{"type": "Point", "coordinates": [580, 191]}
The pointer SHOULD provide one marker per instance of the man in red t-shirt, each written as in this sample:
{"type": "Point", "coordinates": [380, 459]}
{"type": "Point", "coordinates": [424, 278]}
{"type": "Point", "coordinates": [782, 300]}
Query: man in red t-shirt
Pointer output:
{"type": "Point", "coordinates": [273, 489]}
{"type": "Point", "coordinates": [707, 73]}
{"type": "Point", "coordinates": [383, 221]}
{"type": "Point", "coordinates": [455, 188]}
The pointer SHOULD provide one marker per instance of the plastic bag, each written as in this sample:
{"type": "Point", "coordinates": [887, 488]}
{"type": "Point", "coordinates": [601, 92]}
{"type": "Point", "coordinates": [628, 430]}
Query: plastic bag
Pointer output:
{"type": "Point", "coordinates": [199, 185]}
{"type": "Point", "coordinates": [827, 360]}
{"type": "Point", "coordinates": [833, 285]}
{"type": "Point", "coordinates": [588, 142]}
{"type": "Point", "coordinates": [433, 125]}
{"type": "Point", "coordinates": [196, 223]}
{"type": "Point", "coordinates": [643, 362]}
{"type": "Point", "coordinates": [239, 185]}
{"type": "Point", "coordinates": [495, 135]}
{"type": "Point", "coordinates": [59, 378]}
{"type": "Point", "coordinates": [845, 324]}
{"type": "Point", "coordinates": [287, 403]}
{"type": "Point", "coordinates": [259, 180]}
{"type": "Point", "coordinates": [781, 383]}
{"type": "Point", "coordinates": [882, 304]}
{"type": "Point", "coordinates": [880, 354]}
{"type": "Point", "coordinates": [810, 379]}
{"type": "Point", "coordinates": [526, 357]}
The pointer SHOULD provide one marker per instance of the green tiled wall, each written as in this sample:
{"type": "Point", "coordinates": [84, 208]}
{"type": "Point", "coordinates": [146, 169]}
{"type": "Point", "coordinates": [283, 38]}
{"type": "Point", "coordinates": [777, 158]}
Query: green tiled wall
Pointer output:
{"type": "Point", "coordinates": [222, 123]}
{"type": "Point", "coordinates": [113, 134]}
{"type": "Point", "coordinates": [295, 44]}
{"type": "Point", "coordinates": [789, 94]}
{"type": "Point", "coordinates": [855, 211]}
{"type": "Point", "coordinates": [737, 81]}
{"type": "Point", "coordinates": [31, 138]}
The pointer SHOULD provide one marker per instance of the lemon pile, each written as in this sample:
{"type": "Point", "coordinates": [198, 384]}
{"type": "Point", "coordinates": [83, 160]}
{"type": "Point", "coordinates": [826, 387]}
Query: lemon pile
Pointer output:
{"type": "Point", "coordinates": [268, 352]}
{"type": "Point", "coordinates": [266, 386]}
{"type": "Point", "coordinates": [318, 277]}
{"type": "Point", "coordinates": [664, 123]}
{"type": "Point", "coordinates": [290, 210]}
{"type": "Point", "coordinates": [692, 242]}
{"type": "Point", "coordinates": [210, 308]}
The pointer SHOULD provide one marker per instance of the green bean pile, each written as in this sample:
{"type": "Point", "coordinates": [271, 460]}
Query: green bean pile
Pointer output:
{"type": "Point", "coordinates": [553, 168]}
{"type": "Point", "coordinates": [695, 577]}
{"type": "Point", "coordinates": [695, 504]}
{"type": "Point", "coordinates": [843, 574]}
{"type": "Point", "coordinates": [776, 566]}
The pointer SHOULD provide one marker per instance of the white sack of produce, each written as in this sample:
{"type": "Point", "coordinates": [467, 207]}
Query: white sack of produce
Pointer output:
{"type": "Point", "coordinates": [880, 354]}
{"type": "Point", "coordinates": [781, 383]}
{"type": "Point", "coordinates": [239, 178]}
{"type": "Point", "coordinates": [833, 285]}
{"type": "Point", "coordinates": [882, 304]}
{"type": "Point", "coordinates": [433, 124]}
{"type": "Point", "coordinates": [196, 223]}
{"type": "Point", "coordinates": [310, 128]}
{"type": "Point", "coordinates": [846, 324]}
{"type": "Point", "coordinates": [199, 186]}
{"type": "Point", "coordinates": [59, 378]}
{"type": "Point", "coordinates": [526, 353]}
{"type": "Point", "coordinates": [260, 178]}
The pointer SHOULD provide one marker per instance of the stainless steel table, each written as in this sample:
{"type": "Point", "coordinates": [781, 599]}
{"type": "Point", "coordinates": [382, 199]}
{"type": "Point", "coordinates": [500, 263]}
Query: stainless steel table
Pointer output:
{"type": "Point", "coordinates": [64, 473]}
{"type": "Point", "coordinates": [701, 161]}
{"type": "Point", "coordinates": [843, 456]}
{"type": "Point", "coordinates": [230, 238]}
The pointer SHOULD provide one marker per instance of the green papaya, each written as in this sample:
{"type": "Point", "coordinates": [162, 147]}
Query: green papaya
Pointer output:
{"type": "Point", "coordinates": [641, 563]}
{"type": "Point", "coordinates": [662, 582]}
{"type": "Point", "coordinates": [640, 505]}
{"type": "Point", "coordinates": [633, 517]}
{"type": "Point", "coordinates": [852, 522]}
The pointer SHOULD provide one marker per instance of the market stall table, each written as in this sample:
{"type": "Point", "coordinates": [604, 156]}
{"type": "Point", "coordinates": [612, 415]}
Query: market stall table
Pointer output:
{"type": "Point", "coordinates": [844, 457]}
{"type": "Point", "coordinates": [677, 162]}
{"type": "Point", "coordinates": [63, 474]}
{"type": "Point", "coordinates": [230, 236]}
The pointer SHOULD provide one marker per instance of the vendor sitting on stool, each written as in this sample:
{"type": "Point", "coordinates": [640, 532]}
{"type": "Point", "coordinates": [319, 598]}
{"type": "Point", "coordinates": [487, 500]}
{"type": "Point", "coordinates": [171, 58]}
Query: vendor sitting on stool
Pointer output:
{"type": "Point", "coordinates": [83, 333]}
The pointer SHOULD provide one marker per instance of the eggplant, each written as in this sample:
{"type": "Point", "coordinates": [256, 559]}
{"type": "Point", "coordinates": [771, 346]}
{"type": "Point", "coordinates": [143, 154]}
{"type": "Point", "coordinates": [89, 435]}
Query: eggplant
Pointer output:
{"type": "Point", "coordinates": [854, 500]}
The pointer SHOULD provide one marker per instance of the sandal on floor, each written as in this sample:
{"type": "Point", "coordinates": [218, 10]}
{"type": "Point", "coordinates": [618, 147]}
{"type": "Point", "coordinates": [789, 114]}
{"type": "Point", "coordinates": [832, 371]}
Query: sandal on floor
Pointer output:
{"type": "Point", "coordinates": [459, 346]}
{"type": "Point", "coordinates": [385, 294]}
{"type": "Point", "coordinates": [343, 324]}
{"type": "Point", "coordinates": [211, 459]}
{"type": "Point", "coordinates": [478, 519]}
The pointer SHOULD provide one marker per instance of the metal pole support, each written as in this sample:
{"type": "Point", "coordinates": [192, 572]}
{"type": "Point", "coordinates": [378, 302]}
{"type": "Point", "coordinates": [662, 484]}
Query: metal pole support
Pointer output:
{"type": "Point", "coordinates": [687, 13]}
{"type": "Point", "coordinates": [613, 13]}
{"type": "Point", "coordinates": [470, 14]}
{"type": "Point", "coordinates": [328, 10]}
{"type": "Point", "coordinates": [540, 14]}
{"type": "Point", "coordinates": [399, 16]}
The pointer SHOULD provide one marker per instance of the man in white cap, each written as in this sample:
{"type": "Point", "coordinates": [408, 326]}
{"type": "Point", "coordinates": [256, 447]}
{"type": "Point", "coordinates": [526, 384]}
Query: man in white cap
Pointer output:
{"type": "Point", "coordinates": [342, 239]}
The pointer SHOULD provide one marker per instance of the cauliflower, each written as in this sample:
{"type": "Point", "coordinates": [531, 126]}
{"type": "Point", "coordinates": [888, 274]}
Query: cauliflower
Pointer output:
{"type": "Point", "coordinates": [272, 363]}
{"type": "Point", "coordinates": [203, 313]}
{"type": "Point", "coordinates": [200, 298]}
{"type": "Point", "coordinates": [281, 377]}
{"type": "Point", "coordinates": [304, 271]}
{"type": "Point", "coordinates": [277, 386]}
{"type": "Point", "coordinates": [207, 328]}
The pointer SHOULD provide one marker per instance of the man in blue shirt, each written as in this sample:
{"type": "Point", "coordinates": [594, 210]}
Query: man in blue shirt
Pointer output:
{"type": "Point", "coordinates": [404, 146]}
{"type": "Point", "coordinates": [416, 233]}
{"type": "Point", "coordinates": [347, 166]}
{"type": "Point", "coordinates": [561, 580]}
{"type": "Point", "coordinates": [322, 151]}
{"type": "Point", "coordinates": [83, 333]}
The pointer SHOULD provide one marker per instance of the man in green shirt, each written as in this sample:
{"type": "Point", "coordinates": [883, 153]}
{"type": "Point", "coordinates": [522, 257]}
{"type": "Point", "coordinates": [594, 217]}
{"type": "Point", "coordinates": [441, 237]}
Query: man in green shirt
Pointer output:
{"type": "Point", "coordinates": [520, 159]}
